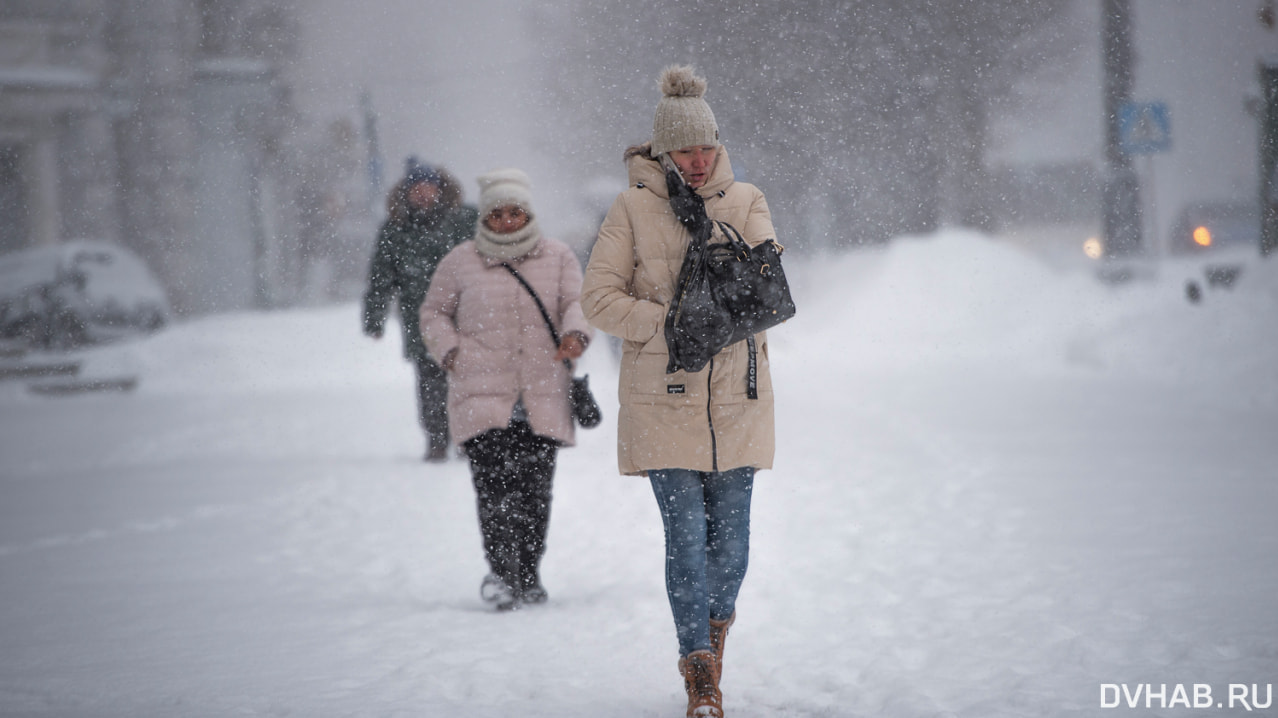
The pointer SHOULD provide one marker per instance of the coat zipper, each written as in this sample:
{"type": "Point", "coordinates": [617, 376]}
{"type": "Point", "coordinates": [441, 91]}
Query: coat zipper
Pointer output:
{"type": "Point", "coordinates": [714, 444]}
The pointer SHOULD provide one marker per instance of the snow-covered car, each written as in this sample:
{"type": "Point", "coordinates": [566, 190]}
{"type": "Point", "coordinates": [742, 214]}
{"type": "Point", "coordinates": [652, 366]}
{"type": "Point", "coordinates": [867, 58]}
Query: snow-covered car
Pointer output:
{"type": "Point", "coordinates": [77, 293]}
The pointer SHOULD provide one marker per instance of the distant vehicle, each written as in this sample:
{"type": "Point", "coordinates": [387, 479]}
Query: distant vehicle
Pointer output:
{"type": "Point", "coordinates": [1212, 243]}
{"type": "Point", "coordinates": [76, 294]}
{"type": "Point", "coordinates": [1216, 228]}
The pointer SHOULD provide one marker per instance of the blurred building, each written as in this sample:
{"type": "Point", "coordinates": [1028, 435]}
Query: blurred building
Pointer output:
{"type": "Point", "coordinates": [162, 125]}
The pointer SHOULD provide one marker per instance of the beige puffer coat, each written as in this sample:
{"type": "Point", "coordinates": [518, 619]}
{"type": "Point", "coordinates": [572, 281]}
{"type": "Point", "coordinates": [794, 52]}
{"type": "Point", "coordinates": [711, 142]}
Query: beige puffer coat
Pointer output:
{"type": "Point", "coordinates": [504, 348]}
{"type": "Point", "coordinates": [703, 420]}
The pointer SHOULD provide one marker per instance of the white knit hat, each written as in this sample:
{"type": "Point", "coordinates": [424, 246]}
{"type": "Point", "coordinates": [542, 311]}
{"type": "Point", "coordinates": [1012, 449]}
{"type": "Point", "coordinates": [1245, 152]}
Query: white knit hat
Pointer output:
{"type": "Point", "coordinates": [683, 118]}
{"type": "Point", "coordinates": [504, 187]}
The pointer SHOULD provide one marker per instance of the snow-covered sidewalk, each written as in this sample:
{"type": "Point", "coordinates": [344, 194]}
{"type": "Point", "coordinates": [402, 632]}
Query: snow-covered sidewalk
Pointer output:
{"type": "Point", "coordinates": [998, 488]}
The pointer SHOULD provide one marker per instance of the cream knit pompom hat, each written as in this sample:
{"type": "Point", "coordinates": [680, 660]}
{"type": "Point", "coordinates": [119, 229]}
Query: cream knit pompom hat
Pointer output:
{"type": "Point", "coordinates": [683, 118]}
{"type": "Point", "coordinates": [502, 188]}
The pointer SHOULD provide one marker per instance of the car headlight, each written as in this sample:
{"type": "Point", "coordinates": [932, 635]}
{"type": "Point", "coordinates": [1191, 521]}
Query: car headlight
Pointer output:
{"type": "Point", "coordinates": [1202, 236]}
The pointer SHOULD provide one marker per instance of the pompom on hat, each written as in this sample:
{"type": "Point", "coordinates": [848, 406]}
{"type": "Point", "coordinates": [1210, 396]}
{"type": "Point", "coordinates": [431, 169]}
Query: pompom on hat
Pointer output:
{"type": "Point", "coordinates": [683, 118]}
{"type": "Point", "coordinates": [502, 188]}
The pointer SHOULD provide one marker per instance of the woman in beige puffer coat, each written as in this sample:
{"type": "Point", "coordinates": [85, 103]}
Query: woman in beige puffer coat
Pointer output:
{"type": "Point", "coordinates": [507, 383]}
{"type": "Point", "coordinates": [698, 436]}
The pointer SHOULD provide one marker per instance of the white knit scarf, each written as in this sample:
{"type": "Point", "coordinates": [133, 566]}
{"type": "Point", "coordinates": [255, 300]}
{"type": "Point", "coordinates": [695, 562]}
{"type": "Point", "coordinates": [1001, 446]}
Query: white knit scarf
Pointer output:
{"type": "Point", "coordinates": [507, 246]}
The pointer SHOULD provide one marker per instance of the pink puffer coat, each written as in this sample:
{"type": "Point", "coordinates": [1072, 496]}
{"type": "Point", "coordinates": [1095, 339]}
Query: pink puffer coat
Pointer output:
{"type": "Point", "coordinates": [504, 348]}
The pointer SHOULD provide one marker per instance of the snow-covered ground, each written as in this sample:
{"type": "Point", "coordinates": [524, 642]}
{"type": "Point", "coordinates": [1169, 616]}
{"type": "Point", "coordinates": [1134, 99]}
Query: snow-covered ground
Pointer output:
{"type": "Point", "coordinates": [999, 488]}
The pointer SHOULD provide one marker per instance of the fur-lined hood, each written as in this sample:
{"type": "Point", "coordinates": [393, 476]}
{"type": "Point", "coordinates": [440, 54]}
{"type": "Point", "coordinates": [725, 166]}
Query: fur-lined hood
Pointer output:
{"type": "Point", "coordinates": [646, 171]}
{"type": "Point", "coordinates": [450, 196]}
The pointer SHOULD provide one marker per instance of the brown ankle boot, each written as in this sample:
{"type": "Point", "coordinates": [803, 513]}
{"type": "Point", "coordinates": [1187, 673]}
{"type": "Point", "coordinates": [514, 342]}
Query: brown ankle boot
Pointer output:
{"type": "Point", "coordinates": [700, 670]}
{"type": "Point", "coordinates": [719, 634]}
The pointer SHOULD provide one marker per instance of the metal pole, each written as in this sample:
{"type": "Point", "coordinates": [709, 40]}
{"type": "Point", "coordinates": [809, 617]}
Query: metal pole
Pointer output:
{"type": "Point", "coordinates": [373, 152]}
{"type": "Point", "coordinates": [1121, 198]}
{"type": "Point", "coordinates": [1155, 241]}
{"type": "Point", "coordinates": [1269, 156]}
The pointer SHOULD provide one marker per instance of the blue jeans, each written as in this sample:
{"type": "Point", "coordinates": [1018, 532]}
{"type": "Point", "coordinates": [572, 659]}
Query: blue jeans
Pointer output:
{"type": "Point", "coordinates": [707, 521]}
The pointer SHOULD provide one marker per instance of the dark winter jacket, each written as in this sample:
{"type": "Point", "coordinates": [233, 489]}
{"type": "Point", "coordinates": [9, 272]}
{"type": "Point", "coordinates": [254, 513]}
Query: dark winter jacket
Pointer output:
{"type": "Point", "coordinates": [407, 253]}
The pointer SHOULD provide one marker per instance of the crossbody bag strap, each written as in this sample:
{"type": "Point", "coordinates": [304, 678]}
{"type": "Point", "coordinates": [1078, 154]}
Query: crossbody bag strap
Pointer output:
{"type": "Point", "coordinates": [540, 307]}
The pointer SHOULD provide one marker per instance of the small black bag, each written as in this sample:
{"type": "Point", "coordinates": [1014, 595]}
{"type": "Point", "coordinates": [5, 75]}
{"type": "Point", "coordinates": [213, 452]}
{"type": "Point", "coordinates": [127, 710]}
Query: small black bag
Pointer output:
{"type": "Point", "coordinates": [584, 407]}
{"type": "Point", "coordinates": [585, 410]}
{"type": "Point", "coordinates": [726, 292]}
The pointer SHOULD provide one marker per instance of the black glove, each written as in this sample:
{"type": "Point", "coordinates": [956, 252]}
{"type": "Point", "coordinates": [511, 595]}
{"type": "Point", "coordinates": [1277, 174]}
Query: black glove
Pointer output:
{"type": "Point", "coordinates": [688, 206]}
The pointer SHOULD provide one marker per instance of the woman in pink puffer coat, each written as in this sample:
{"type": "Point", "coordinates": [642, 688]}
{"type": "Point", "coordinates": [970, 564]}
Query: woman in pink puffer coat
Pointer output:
{"type": "Point", "coordinates": [507, 383]}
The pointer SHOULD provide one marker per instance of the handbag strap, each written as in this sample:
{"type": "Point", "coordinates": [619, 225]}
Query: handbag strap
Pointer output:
{"type": "Point", "coordinates": [554, 334]}
{"type": "Point", "coordinates": [734, 237]}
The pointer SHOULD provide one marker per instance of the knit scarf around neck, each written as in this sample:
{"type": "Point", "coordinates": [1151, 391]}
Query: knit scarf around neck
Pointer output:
{"type": "Point", "coordinates": [507, 246]}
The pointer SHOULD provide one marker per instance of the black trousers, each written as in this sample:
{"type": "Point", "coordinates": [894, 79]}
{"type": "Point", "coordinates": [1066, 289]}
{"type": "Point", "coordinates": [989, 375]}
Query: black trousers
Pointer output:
{"type": "Point", "coordinates": [513, 471]}
{"type": "Point", "coordinates": [432, 401]}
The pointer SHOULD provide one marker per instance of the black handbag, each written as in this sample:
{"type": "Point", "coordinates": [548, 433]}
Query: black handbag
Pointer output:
{"type": "Point", "coordinates": [585, 410]}
{"type": "Point", "coordinates": [726, 292]}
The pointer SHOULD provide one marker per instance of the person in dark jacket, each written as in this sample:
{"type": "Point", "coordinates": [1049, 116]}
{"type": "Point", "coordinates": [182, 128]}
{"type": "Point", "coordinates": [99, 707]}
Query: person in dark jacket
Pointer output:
{"type": "Point", "coordinates": [425, 220]}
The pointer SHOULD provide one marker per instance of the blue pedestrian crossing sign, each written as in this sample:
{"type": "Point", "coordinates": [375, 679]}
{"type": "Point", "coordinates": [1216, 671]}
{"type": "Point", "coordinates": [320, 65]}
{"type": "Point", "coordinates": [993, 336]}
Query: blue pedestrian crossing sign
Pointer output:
{"type": "Point", "coordinates": [1143, 128]}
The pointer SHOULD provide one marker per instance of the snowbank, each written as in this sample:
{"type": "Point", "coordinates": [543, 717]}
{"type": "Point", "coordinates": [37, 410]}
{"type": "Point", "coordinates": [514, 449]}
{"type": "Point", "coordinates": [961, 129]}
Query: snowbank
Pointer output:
{"type": "Point", "coordinates": [962, 296]}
